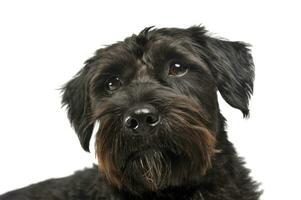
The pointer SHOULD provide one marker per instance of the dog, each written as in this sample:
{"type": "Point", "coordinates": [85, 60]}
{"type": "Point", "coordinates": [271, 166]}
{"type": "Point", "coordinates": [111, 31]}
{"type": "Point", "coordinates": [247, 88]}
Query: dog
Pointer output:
{"type": "Point", "coordinates": [161, 135]}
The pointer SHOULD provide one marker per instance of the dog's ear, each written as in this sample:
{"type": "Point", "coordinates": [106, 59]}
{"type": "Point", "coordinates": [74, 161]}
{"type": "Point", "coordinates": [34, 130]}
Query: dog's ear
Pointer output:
{"type": "Point", "coordinates": [76, 98]}
{"type": "Point", "coordinates": [231, 65]}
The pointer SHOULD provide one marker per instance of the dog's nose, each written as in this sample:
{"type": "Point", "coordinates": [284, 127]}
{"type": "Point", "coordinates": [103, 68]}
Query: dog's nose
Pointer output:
{"type": "Point", "coordinates": [141, 118]}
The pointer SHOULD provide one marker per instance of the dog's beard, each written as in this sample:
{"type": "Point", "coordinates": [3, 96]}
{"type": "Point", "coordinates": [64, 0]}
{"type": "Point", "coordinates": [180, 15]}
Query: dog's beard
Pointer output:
{"type": "Point", "coordinates": [178, 152]}
{"type": "Point", "coordinates": [150, 170]}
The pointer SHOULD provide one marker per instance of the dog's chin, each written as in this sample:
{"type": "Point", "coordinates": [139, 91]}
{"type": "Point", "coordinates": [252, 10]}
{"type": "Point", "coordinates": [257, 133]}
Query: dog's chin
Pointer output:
{"type": "Point", "coordinates": [151, 170]}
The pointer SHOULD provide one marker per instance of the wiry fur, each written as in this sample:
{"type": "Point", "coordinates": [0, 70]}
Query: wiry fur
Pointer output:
{"type": "Point", "coordinates": [187, 155]}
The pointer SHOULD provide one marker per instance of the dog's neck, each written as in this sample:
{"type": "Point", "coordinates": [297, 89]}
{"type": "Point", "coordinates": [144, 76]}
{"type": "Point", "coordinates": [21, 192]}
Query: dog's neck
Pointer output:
{"type": "Point", "coordinates": [183, 193]}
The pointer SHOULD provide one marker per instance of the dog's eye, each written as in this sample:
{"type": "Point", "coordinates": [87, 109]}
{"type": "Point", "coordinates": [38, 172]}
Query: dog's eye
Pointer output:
{"type": "Point", "coordinates": [113, 83]}
{"type": "Point", "coordinates": [176, 68]}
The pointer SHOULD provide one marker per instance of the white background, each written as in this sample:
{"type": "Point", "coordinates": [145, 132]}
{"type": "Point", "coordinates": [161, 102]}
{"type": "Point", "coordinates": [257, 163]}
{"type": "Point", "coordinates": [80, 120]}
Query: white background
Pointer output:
{"type": "Point", "coordinates": [44, 43]}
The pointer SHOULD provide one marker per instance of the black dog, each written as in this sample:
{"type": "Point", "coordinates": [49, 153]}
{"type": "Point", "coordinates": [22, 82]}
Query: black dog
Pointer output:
{"type": "Point", "coordinates": [161, 135]}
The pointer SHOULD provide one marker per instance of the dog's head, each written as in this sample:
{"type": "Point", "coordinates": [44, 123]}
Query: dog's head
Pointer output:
{"type": "Point", "coordinates": [155, 97]}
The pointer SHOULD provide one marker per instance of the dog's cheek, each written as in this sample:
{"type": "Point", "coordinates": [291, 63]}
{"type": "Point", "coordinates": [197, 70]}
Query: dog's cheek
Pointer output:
{"type": "Point", "coordinates": [199, 87]}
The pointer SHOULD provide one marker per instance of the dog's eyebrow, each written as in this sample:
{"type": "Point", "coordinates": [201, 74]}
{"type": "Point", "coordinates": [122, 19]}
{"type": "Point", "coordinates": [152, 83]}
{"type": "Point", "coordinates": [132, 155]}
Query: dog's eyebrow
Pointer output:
{"type": "Point", "coordinates": [115, 61]}
{"type": "Point", "coordinates": [185, 48]}
{"type": "Point", "coordinates": [190, 55]}
{"type": "Point", "coordinates": [180, 47]}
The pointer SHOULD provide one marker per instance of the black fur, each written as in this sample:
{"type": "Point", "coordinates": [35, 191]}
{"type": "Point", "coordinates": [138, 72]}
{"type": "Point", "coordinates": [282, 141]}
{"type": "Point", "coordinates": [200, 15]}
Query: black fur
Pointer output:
{"type": "Point", "coordinates": [186, 155]}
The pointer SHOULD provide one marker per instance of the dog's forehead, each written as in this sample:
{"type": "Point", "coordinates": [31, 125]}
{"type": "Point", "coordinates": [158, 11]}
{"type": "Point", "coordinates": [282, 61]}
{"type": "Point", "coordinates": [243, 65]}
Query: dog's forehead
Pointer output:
{"type": "Point", "coordinates": [146, 50]}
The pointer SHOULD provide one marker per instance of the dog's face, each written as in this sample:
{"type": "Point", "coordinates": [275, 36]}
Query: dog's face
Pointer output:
{"type": "Point", "coordinates": [155, 97]}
